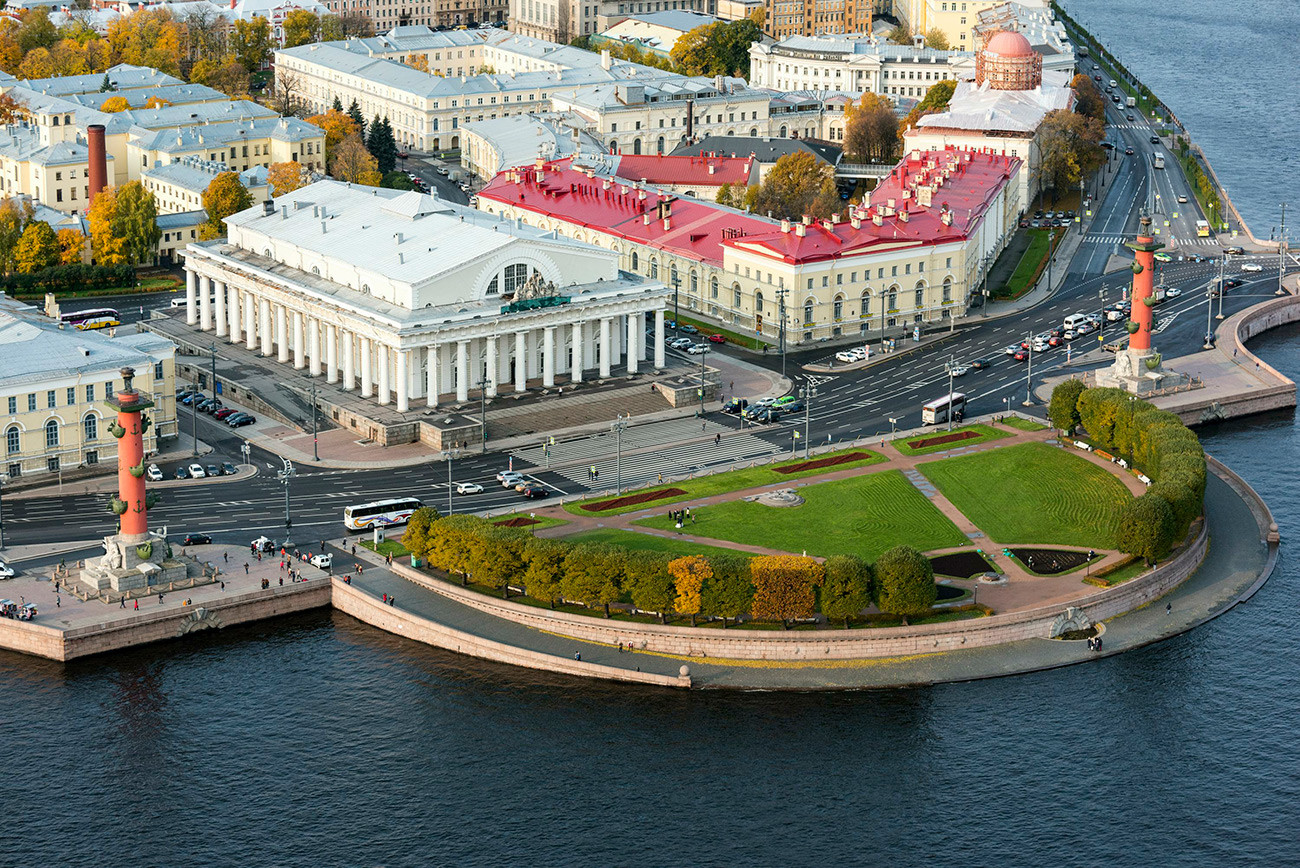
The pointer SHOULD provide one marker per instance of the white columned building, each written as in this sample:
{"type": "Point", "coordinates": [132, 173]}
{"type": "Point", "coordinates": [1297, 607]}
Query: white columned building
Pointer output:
{"type": "Point", "coordinates": [424, 300]}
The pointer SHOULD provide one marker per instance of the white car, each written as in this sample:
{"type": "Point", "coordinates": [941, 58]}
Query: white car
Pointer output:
{"type": "Point", "coordinates": [323, 561]}
{"type": "Point", "coordinates": [6, 571]}
{"type": "Point", "coordinates": [697, 349]}
{"type": "Point", "coordinates": [468, 488]}
{"type": "Point", "coordinates": [845, 356]}
{"type": "Point", "coordinates": [510, 479]}
{"type": "Point", "coordinates": [1182, 198]}
{"type": "Point", "coordinates": [197, 471]}
{"type": "Point", "coordinates": [1012, 349]}
{"type": "Point", "coordinates": [1251, 266]}
{"type": "Point", "coordinates": [763, 402]}
{"type": "Point", "coordinates": [154, 474]}
{"type": "Point", "coordinates": [681, 343]}
{"type": "Point", "coordinates": [262, 544]}
{"type": "Point", "coordinates": [1040, 345]}
{"type": "Point", "coordinates": [1173, 292]}
{"type": "Point", "coordinates": [960, 370]}
{"type": "Point", "coordinates": [1115, 315]}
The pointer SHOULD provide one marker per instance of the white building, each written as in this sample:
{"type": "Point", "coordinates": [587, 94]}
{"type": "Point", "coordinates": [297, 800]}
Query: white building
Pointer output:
{"type": "Point", "coordinates": [656, 32]}
{"type": "Point", "coordinates": [179, 186]}
{"type": "Point", "coordinates": [854, 63]}
{"type": "Point", "coordinates": [563, 20]}
{"type": "Point", "coordinates": [518, 140]}
{"type": "Point", "coordinates": [406, 298]}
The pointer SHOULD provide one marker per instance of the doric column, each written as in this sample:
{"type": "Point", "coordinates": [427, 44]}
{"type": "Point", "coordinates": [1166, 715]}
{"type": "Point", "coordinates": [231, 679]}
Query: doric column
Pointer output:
{"type": "Point", "coordinates": [606, 350]}
{"type": "Point", "coordinates": [521, 361]}
{"type": "Point", "coordinates": [205, 303]}
{"type": "Point", "coordinates": [232, 309]}
{"type": "Point", "coordinates": [492, 373]}
{"type": "Point", "coordinates": [331, 354]}
{"type": "Point", "coordinates": [659, 338]}
{"type": "Point", "coordinates": [634, 322]}
{"type": "Point", "coordinates": [282, 333]}
{"type": "Point", "coordinates": [548, 357]}
{"type": "Point", "coordinates": [191, 297]}
{"type": "Point", "coordinates": [403, 381]}
{"type": "Point", "coordinates": [431, 387]}
{"type": "Point", "coordinates": [576, 374]}
{"type": "Point", "coordinates": [264, 326]}
{"type": "Point", "coordinates": [349, 379]}
{"type": "Point", "coordinates": [462, 371]}
{"type": "Point", "coordinates": [313, 346]}
{"type": "Point", "coordinates": [219, 290]}
{"type": "Point", "coordinates": [249, 306]}
{"type": "Point", "coordinates": [366, 381]}
{"type": "Point", "coordinates": [299, 337]}
{"type": "Point", "coordinates": [383, 358]}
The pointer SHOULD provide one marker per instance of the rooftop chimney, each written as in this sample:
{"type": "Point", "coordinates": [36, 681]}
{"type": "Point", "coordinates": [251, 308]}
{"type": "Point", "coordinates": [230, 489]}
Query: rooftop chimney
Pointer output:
{"type": "Point", "coordinates": [785, 226]}
{"type": "Point", "coordinates": [801, 229]}
{"type": "Point", "coordinates": [98, 169]}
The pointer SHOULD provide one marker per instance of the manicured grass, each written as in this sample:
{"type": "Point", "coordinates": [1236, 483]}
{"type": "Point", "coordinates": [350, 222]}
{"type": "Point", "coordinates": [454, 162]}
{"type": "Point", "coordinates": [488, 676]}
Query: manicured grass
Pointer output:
{"type": "Point", "coordinates": [864, 515]}
{"type": "Point", "coordinates": [1129, 571]}
{"type": "Point", "coordinates": [1033, 493]}
{"type": "Point", "coordinates": [732, 480]}
{"type": "Point", "coordinates": [1023, 424]}
{"type": "Point", "coordinates": [630, 539]}
{"type": "Point", "coordinates": [706, 329]}
{"type": "Point", "coordinates": [986, 434]}
{"type": "Point", "coordinates": [387, 547]}
{"type": "Point", "coordinates": [1030, 265]}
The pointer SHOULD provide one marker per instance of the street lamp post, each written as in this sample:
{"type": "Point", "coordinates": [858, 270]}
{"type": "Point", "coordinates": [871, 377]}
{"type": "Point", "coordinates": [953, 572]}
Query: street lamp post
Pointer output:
{"type": "Point", "coordinates": [1209, 309]}
{"type": "Point", "coordinates": [619, 424]}
{"type": "Point", "coordinates": [451, 453]}
{"type": "Point", "coordinates": [246, 450]}
{"type": "Point", "coordinates": [703, 353]}
{"type": "Point", "coordinates": [284, 475]}
{"type": "Point", "coordinates": [315, 449]}
{"type": "Point", "coordinates": [482, 411]}
{"type": "Point", "coordinates": [1029, 370]}
{"type": "Point", "coordinates": [949, 367]}
{"type": "Point", "coordinates": [2, 510]}
{"type": "Point", "coordinates": [213, 350]}
{"type": "Point", "coordinates": [194, 418]}
{"type": "Point", "coordinates": [677, 285]}
{"type": "Point", "coordinates": [807, 392]}
{"type": "Point", "coordinates": [1281, 252]}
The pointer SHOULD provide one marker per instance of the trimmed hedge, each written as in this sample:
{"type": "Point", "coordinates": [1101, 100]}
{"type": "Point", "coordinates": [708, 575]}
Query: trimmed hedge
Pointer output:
{"type": "Point", "coordinates": [63, 277]}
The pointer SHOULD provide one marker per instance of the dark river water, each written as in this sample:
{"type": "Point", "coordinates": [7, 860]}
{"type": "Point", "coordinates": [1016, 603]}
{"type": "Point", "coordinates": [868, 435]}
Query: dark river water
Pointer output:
{"type": "Point", "coordinates": [318, 741]}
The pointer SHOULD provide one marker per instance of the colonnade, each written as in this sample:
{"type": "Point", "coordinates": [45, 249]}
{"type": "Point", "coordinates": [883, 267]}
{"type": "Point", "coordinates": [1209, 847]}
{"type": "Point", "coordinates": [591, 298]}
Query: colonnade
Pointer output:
{"type": "Point", "coordinates": [494, 359]}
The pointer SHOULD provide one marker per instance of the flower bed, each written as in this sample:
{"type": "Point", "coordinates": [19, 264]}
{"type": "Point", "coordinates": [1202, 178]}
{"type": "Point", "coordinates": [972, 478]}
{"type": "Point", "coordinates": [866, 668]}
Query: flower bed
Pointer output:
{"type": "Point", "coordinates": [954, 437]}
{"type": "Point", "coordinates": [632, 499]}
{"type": "Point", "coordinates": [518, 521]}
{"type": "Point", "coordinates": [829, 461]}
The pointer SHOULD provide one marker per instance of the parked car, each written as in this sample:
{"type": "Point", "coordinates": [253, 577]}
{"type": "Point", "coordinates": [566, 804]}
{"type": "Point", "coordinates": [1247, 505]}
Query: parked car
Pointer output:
{"type": "Point", "coordinates": [182, 472]}
{"type": "Point", "coordinates": [224, 413]}
{"type": "Point", "coordinates": [981, 364]}
{"type": "Point", "coordinates": [1234, 251]}
{"type": "Point", "coordinates": [794, 406]}
{"type": "Point", "coordinates": [228, 469]}
{"type": "Point", "coordinates": [262, 544]}
{"type": "Point", "coordinates": [197, 471]}
{"type": "Point", "coordinates": [681, 343]}
{"type": "Point", "coordinates": [717, 339]}
{"type": "Point", "coordinates": [190, 397]}
{"type": "Point", "coordinates": [534, 492]}
{"type": "Point", "coordinates": [765, 415]}
{"type": "Point", "coordinates": [323, 561]}
{"type": "Point", "coordinates": [697, 349]}
{"type": "Point", "coordinates": [735, 406]}
{"type": "Point", "coordinates": [688, 329]}
{"type": "Point", "coordinates": [785, 401]}
{"type": "Point", "coordinates": [1251, 267]}
{"type": "Point", "coordinates": [765, 402]}
{"type": "Point", "coordinates": [240, 420]}
{"type": "Point", "coordinates": [6, 571]}
{"type": "Point", "coordinates": [213, 470]}
{"type": "Point", "coordinates": [468, 488]}
{"type": "Point", "coordinates": [153, 473]}
{"type": "Point", "coordinates": [196, 539]}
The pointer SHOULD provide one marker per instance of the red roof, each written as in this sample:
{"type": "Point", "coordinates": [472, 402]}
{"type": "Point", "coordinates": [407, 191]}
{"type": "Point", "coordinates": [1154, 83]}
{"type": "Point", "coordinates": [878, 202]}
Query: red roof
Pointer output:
{"type": "Point", "coordinates": [959, 184]}
{"type": "Point", "coordinates": [683, 170]}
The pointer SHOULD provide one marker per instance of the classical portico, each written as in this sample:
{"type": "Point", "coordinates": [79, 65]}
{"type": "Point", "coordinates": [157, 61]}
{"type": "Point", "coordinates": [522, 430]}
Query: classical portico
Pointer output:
{"type": "Point", "coordinates": [484, 304]}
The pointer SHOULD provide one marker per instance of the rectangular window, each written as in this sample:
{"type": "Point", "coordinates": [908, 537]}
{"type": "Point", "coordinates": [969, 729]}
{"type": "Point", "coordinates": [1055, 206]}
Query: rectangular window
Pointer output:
{"type": "Point", "coordinates": [13, 405]}
{"type": "Point", "coordinates": [907, 269]}
{"type": "Point", "coordinates": [920, 266]}
{"type": "Point", "coordinates": [157, 373]}
{"type": "Point", "coordinates": [72, 396]}
{"type": "Point", "coordinates": [31, 402]}
{"type": "Point", "coordinates": [839, 279]}
{"type": "Point", "coordinates": [948, 264]}
{"type": "Point", "coordinates": [893, 271]}
{"type": "Point", "coordinates": [49, 399]}
{"type": "Point", "coordinates": [90, 393]}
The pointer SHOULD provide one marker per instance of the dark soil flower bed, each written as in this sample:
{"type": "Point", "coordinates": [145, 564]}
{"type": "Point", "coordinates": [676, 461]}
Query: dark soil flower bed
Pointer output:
{"type": "Point", "coordinates": [818, 463]}
{"type": "Point", "coordinates": [518, 521]}
{"type": "Point", "coordinates": [947, 592]}
{"type": "Point", "coordinates": [1050, 561]}
{"type": "Point", "coordinates": [954, 437]}
{"type": "Point", "coordinates": [632, 499]}
{"type": "Point", "coordinates": [960, 565]}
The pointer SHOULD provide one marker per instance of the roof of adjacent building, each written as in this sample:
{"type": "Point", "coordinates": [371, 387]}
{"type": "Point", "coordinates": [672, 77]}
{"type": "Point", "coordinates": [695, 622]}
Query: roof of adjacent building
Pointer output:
{"type": "Point", "coordinates": [518, 139]}
{"type": "Point", "coordinates": [194, 174]}
{"type": "Point", "coordinates": [766, 149]}
{"type": "Point", "coordinates": [861, 45]}
{"type": "Point", "coordinates": [176, 94]}
{"type": "Point", "coordinates": [22, 142]}
{"type": "Point", "coordinates": [124, 76]}
{"type": "Point", "coordinates": [668, 87]}
{"type": "Point", "coordinates": [188, 139]}
{"type": "Point", "coordinates": [687, 169]}
{"type": "Point", "coordinates": [37, 350]}
{"type": "Point", "coordinates": [981, 108]}
{"type": "Point", "coordinates": [684, 20]}
{"type": "Point", "coordinates": [964, 183]}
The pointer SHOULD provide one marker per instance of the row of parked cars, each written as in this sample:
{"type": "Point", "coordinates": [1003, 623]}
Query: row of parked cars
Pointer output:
{"type": "Point", "coordinates": [851, 355]}
{"type": "Point", "coordinates": [764, 410]}
{"type": "Point", "coordinates": [689, 346]}
{"type": "Point", "coordinates": [214, 407]}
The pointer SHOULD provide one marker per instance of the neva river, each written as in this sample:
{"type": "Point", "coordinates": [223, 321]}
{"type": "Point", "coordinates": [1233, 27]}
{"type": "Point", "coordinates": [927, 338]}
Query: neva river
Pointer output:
{"type": "Point", "coordinates": [1226, 69]}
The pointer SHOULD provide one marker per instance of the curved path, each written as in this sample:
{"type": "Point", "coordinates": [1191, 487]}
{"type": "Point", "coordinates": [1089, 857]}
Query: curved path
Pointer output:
{"type": "Point", "coordinates": [1238, 560]}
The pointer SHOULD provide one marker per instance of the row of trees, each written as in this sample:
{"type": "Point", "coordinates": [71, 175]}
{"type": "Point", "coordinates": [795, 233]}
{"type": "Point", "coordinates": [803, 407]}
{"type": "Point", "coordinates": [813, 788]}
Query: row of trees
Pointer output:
{"type": "Point", "coordinates": [124, 225]}
{"type": "Point", "coordinates": [721, 48]}
{"type": "Point", "coordinates": [28, 246]}
{"type": "Point", "coordinates": [779, 588]}
{"type": "Point", "coordinates": [1158, 442]}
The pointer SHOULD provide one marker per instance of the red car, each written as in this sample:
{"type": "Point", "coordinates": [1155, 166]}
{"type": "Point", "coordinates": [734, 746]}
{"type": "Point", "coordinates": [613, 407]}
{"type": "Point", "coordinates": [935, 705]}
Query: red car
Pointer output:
{"type": "Point", "coordinates": [717, 339]}
{"type": "Point", "coordinates": [1021, 355]}
{"type": "Point", "coordinates": [222, 414]}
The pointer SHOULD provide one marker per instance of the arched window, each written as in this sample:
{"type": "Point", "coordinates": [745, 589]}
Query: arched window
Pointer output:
{"type": "Point", "coordinates": [654, 268]}
{"type": "Point", "coordinates": [920, 294]}
{"type": "Point", "coordinates": [839, 307]}
{"type": "Point", "coordinates": [51, 433]}
{"type": "Point", "coordinates": [758, 302]}
{"type": "Point", "coordinates": [90, 425]}
{"type": "Point", "coordinates": [808, 307]}
{"type": "Point", "coordinates": [866, 302]}
{"type": "Point", "coordinates": [516, 276]}
{"type": "Point", "coordinates": [495, 286]}
{"type": "Point", "coordinates": [661, 145]}
{"type": "Point", "coordinates": [672, 276]}
{"type": "Point", "coordinates": [947, 290]}
{"type": "Point", "coordinates": [613, 146]}
{"type": "Point", "coordinates": [695, 283]}
{"type": "Point", "coordinates": [713, 287]}
{"type": "Point", "coordinates": [753, 132]}
{"type": "Point", "coordinates": [636, 146]}
{"type": "Point", "coordinates": [893, 297]}
{"type": "Point", "coordinates": [785, 131]}
{"type": "Point", "coordinates": [13, 440]}
{"type": "Point", "coordinates": [735, 295]}
{"type": "Point", "coordinates": [635, 261]}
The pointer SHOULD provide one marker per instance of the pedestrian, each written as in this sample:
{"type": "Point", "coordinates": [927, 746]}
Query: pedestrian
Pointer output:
{"type": "Point", "coordinates": [692, 518]}
{"type": "Point", "coordinates": [1234, 352]}
{"type": "Point", "coordinates": [322, 546]}
{"type": "Point", "coordinates": [137, 605]}
{"type": "Point", "coordinates": [661, 479]}
{"type": "Point", "coordinates": [223, 586]}
{"type": "Point", "coordinates": [225, 557]}
{"type": "Point", "coordinates": [123, 601]}
{"type": "Point", "coordinates": [1169, 608]}
{"type": "Point", "coordinates": [245, 569]}
{"type": "Point", "coordinates": [392, 601]}
{"type": "Point", "coordinates": [703, 426]}
{"type": "Point", "coordinates": [733, 386]}
{"type": "Point", "coordinates": [717, 439]}
{"type": "Point", "coordinates": [58, 601]}
{"type": "Point", "coordinates": [282, 581]}
{"type": "Point", "coordinates": [385, 598]}
{"type": "Point", "coordinates": [620, 647]}
{"type": "Point", "coordinates": [281, 564]}
{"type": "Point", "coordinates": [578, 656]}
{"type": "Point", "coordinates": [687, 512]}
{"type": "Point", "coordinates": [259, 557]}
{"type": "Point", "coordinates": [160, 599]}
{"type": "Point", "coordinates": [354, 551]}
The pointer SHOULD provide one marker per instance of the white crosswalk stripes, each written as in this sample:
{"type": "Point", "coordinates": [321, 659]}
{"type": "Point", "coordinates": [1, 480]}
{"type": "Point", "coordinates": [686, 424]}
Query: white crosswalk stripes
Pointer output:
{"type": "Point", "coordinates": [1105, 238]}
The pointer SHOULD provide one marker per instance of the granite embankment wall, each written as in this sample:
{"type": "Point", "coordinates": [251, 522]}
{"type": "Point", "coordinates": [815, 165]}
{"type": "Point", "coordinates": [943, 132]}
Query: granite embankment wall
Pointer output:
{"type": "Point", "coordinates": [364, 607]}
{"type": "Point", "coordinates": [171, 623]}
{"type": "Point", "coordinates": [827, 644]}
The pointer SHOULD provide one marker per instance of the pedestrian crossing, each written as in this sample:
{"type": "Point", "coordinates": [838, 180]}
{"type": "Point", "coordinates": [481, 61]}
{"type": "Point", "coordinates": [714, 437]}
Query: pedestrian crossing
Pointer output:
{"type": "Point", "coordinates": [1188, 241]}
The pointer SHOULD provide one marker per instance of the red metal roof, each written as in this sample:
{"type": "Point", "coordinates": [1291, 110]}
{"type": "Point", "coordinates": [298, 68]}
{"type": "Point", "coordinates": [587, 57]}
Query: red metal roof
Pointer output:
{"type": "Point", "coordinates": [667, 170]}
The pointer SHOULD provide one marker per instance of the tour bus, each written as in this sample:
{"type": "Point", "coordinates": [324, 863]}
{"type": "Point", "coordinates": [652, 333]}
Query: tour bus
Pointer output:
{"type": "Point", "coordinates": [1158, 160]}
{"type": "Point", "coordinates": [380, 513]}
{"type": "Point", "coordinates": [937, 410]}
{"type": "Point", "coordinates": [95, 318]}
{"type": "Point", "coordinates": [1203, 228]}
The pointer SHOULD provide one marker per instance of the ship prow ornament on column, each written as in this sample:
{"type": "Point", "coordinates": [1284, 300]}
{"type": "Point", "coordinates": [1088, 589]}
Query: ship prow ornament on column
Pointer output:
{"type": "Point", "coordinates": [134, 557]}
{"type": "Point", "coordinates": [1138, 368]}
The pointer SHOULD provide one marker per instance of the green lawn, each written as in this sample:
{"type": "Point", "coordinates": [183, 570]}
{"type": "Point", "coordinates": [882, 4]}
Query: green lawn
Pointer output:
{"type": "Point", "coordinates": [1023, 424]}
{"type": "Point", "coordinates": [1030, 265]}
{"type": "Point", "coordinates": [1033, 493]}
{"type": "Point", "coordinates": [387, 547]}
{"type": "Point", "coordinates": [864, 515]}
{"type": "Point", "coordinates": [986, 434]}
{"type": "Point", "coordinates": [630, 539]}
{"type": "Point", "coordinates": [732, 480]}
{"type": "Point", "coordinates": [742, 340]}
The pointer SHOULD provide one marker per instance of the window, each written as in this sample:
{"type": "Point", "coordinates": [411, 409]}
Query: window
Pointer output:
{"type": "Point", "coordinates": [695, 283]}
{"type": "Point", "coordinates": [157, 372]}
{"type": "Point", "coordinates": [920, 298]}
{"type": "Point", "coordinates": [516, 276]}
{"type": "Point", "coordinates": [673, 281]}
{"type": "Point", "coordinates": [72, 396]}
{"type": "Point", "coordinates": [49, 399]}
{"type": "Point", "coordinates": [893, 271]}
{"type": "Point", "coordinates": [713, 287]}
{"type": "Point", "coordinates": [947, 290]}
{"type": "Point", "coordinates": [808, 311]}
{"type": "Point", "coordinates": [758, 302]}
{"type": "Point", "coordinates": [735, 297]}
{"type": "Point", "coordinates": [52, 434]}
{"type": "Point", "coordinates": [495, 286]}
{"type": "Point", "coordinates": [654, 269]}
{"type": "Point", "coordinates": [948, 264]}
{"type": "Point", "coordinates": [90, 425]}
{"type": "Point", "coordinates": [13, 440]}
{"type": "Point", "coordinates": [90, 393]}
{"type": "Point", "coordinates": [635, 261]}
{"type": "Point", "coordinates": [839, 307]}
{"type": "Point", "coordinates": [13, 405]}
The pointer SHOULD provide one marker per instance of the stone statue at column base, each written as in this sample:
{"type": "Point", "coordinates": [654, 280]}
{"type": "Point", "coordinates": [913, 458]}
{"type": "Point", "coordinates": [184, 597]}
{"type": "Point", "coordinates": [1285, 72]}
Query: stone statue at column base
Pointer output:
{"type": "Point", "coordinates": [134, 561]}
{"type": "Point", "coordinates": [1140, 372]}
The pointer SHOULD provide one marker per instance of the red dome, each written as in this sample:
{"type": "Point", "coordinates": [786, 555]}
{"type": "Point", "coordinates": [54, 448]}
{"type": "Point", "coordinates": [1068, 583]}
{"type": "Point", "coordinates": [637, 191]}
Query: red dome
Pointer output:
{"type": "Point", "coordinates": [1008, 43]}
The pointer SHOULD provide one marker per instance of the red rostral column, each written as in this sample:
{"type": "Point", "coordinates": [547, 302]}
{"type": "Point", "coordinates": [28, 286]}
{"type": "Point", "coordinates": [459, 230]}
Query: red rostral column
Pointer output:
{"type": "Point", "coordinates": [129, 405]}
{"type": "Point", "coordinates": [1144, 258]}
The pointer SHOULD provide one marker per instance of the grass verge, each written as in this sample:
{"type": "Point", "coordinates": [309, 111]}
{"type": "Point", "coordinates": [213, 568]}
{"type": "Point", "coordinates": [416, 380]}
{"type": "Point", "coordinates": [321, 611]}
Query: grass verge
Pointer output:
{"type": "Point", "coordinates": [1023, 424]}
{"type": "Point", "coordinates": [630, 539]}
{"type": "Point", "coordinates": [741, 340]}
{"type": "Point", "coordinates": [985, 432]}
{"type": "Point", "coordinates": [731, 480]}
{"type": "Point", "coordinates": [387, 547]}
{"type": "Point", "coordinates": [1030, 266]}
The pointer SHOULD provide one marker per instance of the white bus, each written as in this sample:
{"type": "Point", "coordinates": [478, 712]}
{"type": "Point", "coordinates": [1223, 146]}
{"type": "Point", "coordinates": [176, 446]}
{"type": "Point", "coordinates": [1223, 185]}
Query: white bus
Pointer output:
{"type": "Point", "coordinates": [380, 513]}
{"type": "Point", "coordinates": [1158, 160]}
{"type": "Point", "coordinates": [937, 410]}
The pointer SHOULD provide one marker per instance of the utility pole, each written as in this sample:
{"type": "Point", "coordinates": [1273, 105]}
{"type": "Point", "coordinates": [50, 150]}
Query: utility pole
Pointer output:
{"type": "Point", "coordinates": [1281, 252]}
{"type": "Point", "coordinates": [2, 512]}
{"type": "Point", "coordinates": [808, 392]}
{"type": "Point", "coordinates": [284, 475]}
{"type": "Point", "coordinates": [950, 407]}
{"type": "Point", "coordinates": [677, 322]}
{"type": "Point", "coordinates": [482, 411]}
{"type": "Point", "coordinates": [780, 301]}
{"type": "Point", "coordinates": [315, 450]}
{"type": "Point", "coordinates": [214, 370]}
{"type": "Point", "coordinates": [194, 417]}
{"type": "Point", "coordinates": [1029, 370]}
{"type": "Point", "coordinates": [704, 351]}
{"type": "Point", "coordinates": [451, 453]}
{"type": "Point", "coordinates": [619, 424]}
{"type": "Point", "coordinates": [1222, 263]}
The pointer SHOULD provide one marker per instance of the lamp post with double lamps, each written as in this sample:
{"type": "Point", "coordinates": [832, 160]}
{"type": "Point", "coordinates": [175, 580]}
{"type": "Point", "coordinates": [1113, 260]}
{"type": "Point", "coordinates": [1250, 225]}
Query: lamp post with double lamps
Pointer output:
{"type": "Point", "coordinates": [618, 425]}
{"type": "Point", "coordinates": [807, 393]}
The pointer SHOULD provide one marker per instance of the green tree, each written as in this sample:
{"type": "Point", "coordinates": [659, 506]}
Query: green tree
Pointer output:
{"type": "Point", "coordinates": [936, 99]}
{"type": "Point", "coordinates": [728, 593]}
{"type": "Point", "coordinates": [337, 105]}
{"type": "Point", "coordinates": [592, 572]}
{"type": "Point", "coordinates": [935, 38]}
{"type": "Point", "coordinates": [418, 538]}
{"type": "Point", "coordinates": [649, 582]}
{"type": "Point", "coordinates": [252, 42]}
{"type": "Point", "coordinates": [1147, 527]}
{"type": "Point", "coordinates": [720, 48]}
{"type": "Point", "coordinates": [544, 568]}
{"type": "Point", "coordinates": [381, 145]}
{"type": "Point", "coordinates": [106, 86]}
{"type": "Point", "coordinates": [354, 112]}
{"type": "Point", "coordinates": [398, 181]}
{"type": "Point", "coordinates": [904, 582]}
{"type": "Point", "coordinates": [38, 248]}
{"type": "Point", "coordinates": [11, 230]}
{"type": "Point", "coordinates": [1063, 411]}
{"type": "Point", "coordinates": [300, 27]}
{"type": "Point", "coordinates": [901, 35]}
{"type": "Point", "coordinates": [124, 226]}
{"type": "Point", "coordinates": [794, 186]}
{"type": "Point", "coordinates": [331, 30]}
{"type": "Point", "coordinates": [497, 557]}
{"type": "Point", "coordinates": [224, 196]}
{"type": "Point", "coordinates": [453, 537]}
{"type": "Point", "coordinates": [739, 196]}
{"type": "Point", "coordinates": [1070, 149]}
{"type": "Point", "coordinates": [846, 589]}
{"type": "Point", "coordinates": [37, 31]}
